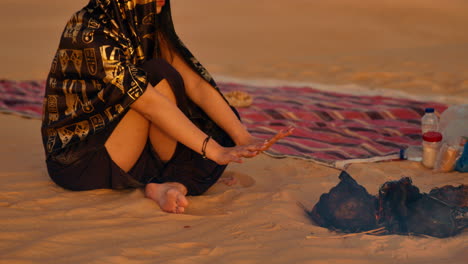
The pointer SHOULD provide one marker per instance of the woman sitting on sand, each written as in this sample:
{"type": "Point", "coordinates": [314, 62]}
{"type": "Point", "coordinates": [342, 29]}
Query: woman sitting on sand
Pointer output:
{"type": "Point", "coordinates": [127, 105]}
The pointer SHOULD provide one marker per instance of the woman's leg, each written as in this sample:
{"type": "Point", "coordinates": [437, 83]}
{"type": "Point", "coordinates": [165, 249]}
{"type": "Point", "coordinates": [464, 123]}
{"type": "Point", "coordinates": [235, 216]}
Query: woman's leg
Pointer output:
{"type": "Point", "coordinates": [163, 144]}
{"type": "Point", "coordinates": [165, 194]}
{"type": "Point", "coordinates": [126, 144]}
{"type": "Point", "coordinates": [128, 139]}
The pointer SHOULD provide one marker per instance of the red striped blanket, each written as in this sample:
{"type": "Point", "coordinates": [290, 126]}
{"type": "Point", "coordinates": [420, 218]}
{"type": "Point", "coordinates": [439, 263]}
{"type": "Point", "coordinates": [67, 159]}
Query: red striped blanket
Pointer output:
{"type": "Point", "coordinates": [331, 128]}
{"type": "Point", "coordinates": [22, 98]}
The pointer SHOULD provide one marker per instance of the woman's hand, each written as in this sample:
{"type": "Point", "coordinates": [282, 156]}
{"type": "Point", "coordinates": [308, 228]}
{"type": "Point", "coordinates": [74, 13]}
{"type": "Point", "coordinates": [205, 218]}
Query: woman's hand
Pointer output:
{"type": "Point", "coordinates": [248, 140]}
{"type": "Point", "coordinates": [235, 154]}
{"type": "Point", "coordinates": [249, 150]}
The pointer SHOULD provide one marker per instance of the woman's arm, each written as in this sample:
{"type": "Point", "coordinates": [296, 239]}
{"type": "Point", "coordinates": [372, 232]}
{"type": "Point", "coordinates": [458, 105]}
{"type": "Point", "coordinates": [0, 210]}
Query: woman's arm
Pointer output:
{"type": "Point", "coordinates": [171, 120]}
{"type": "Point", "coordinates": [206, 97]}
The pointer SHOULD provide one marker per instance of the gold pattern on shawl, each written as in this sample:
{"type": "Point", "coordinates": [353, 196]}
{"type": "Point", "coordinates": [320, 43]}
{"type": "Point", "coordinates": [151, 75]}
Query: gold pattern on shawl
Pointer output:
{"type": "Point", "coordinates": [148, 36]}
{"type": "Point", "coordinates": [104, 2]}
{"type": "Point", "coordinates": [74, 26]}
{"type": "Point", "coordinates": [129, 50]}
{"type": "Point", "coordinates": [119, 108]}
{"type": "Point", "coordinates": [114, 23]}
{"type": "Point", "coordinates": [87, 104]}
{"type": "Point", "coordinates": [135, 90]}
{"type": "Point", "coordinates": [113, 112]}
{"type": "Point", "coordinates": [104, 19]}
{"type": "Point", "coordinates": [82, 129]}
{"type": "Point", "coordinates": [44, 108]}
{"type": "Point", "coordinates": [93, 23]}
{"type": "Point", "coordinates": [98, 122]}
{"type": "Point", "coordinates": [143, 2]}
{"type": "Point", "coordinates": [51, 138]}
{"type": "Point", "coordinates": [98, 86]}
{"type": "Point", "coordinates": [149, 19]}
{"type": "Point", "coordinates": [122, 10]}
{"type": "Point", "coordinates": [53, 117]}
{"type": "Point", "coordinates": [53, 68]}
{"type": "Point", "coordinates": [101, 96]}
{"type": "Point", "coordinates": [91, 60]}
{"type": "Point", "coordinates": [88, 34]}
{"type": "Point", "coordinates": [65, 136]}
{"type": "Point", "coordinates": [140, 53]}
{"type": "Point", "coordinates": [52, 108]}
{"type": "Point", "coordinates": [112, 66]}
{"type": "Point", "coordinates": [72, 99]}
{"type": "Point", "coordinates": [108, 113]}
{"type": "Point", "coordinates": [130, 5]}
{"type": "Point", "coordinates": [138, 77]}
{"type": "Point", "coordinates": [66, 133]}
{"type": "Point", "coordinates": [53, 83]}
{"type": "Point", "coordinates": [113, 34]}
{"type": "Point", "coordinates": [75, 56]}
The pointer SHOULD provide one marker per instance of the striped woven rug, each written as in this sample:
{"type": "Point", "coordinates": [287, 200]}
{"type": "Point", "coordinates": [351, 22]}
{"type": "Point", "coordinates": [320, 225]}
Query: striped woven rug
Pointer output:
{"type": "Point", "coordinates": [331, 128]}
{"type": "Point", "coordinates": [22, 98]}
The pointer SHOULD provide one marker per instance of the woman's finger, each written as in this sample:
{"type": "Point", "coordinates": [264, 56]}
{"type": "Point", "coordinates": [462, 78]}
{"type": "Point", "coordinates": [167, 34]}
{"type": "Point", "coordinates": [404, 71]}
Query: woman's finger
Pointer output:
{"type": "Point", "coordinates": [255, 147]}
{"type": "Point", "coordinates": [250, 154]}
{"type": "Point", "coordinates": [234, 158]}
{"type": "Point", "coordinates": [246, 152]}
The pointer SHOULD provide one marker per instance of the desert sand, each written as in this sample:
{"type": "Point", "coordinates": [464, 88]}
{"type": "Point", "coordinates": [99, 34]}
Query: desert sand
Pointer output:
{"type": "Point", "coordinates": [412, 47]}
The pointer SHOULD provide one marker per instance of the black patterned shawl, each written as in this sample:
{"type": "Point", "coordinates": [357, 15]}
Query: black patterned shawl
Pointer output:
{"type": "Point", "coordinates": [96, 73]}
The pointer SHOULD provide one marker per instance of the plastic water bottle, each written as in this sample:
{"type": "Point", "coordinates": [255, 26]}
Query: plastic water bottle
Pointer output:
{"type": "Point", "coordinates": [429, 121]}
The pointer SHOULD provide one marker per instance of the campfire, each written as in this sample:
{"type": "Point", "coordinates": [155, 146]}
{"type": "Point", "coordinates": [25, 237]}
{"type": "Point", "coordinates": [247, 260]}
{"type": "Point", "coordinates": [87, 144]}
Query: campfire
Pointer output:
{"type": "Point", "coordinates": [399, 208]}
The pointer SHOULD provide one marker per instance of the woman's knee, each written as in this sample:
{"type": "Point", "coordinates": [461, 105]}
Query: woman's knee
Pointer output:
{"type": "Point", "coordinates": [167, 80]}
{"type": "Point", "coordinates": [127, 141]}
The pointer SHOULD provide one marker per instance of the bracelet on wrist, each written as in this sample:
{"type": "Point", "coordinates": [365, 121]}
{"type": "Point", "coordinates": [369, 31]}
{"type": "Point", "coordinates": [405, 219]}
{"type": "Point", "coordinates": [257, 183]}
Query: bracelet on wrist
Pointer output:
{"type": "Point", "coordinates": [205, 143]}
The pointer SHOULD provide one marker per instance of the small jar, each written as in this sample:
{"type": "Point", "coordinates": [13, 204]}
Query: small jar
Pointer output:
{"type": "Point", "coordinates": [448, 158]}
{"type": "Point", "coordinates": [431, 145]}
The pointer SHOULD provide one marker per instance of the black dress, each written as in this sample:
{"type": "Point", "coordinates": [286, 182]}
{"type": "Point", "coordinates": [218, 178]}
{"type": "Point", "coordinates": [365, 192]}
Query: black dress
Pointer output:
{"type": "Point", "coordinates": [87, 165]}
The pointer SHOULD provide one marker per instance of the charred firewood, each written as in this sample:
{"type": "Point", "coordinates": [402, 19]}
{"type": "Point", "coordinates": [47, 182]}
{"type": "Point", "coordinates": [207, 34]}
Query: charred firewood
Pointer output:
{"type": "Point", "coordinates": [348, 207]}
{"type": "Point", "coordinates": [400, 208]}
{"type": "Point", "coordinates": [404, 210]}
{"type": "Point", "coordinates": [453, 196]}
{"type": "Point", "coordinates": [394, 197]}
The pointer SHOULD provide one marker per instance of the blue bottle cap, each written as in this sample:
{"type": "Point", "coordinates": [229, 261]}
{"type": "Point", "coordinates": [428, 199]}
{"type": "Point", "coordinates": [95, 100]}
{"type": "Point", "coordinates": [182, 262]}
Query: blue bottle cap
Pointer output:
{"type": "Point", "coordinates": [429, 110]}
{"type": "Point", "coordinates": [402, 154]}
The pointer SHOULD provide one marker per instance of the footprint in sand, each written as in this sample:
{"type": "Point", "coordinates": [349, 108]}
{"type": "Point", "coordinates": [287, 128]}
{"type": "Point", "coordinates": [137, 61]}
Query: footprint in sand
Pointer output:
{"type": "Point", "coordinates": [217, 200]}
{"type": "Point", "coordinates": [241, 180]}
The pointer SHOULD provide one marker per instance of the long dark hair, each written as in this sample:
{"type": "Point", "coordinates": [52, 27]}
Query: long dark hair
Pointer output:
{"type": "Point", "coordinates": [165, 32]}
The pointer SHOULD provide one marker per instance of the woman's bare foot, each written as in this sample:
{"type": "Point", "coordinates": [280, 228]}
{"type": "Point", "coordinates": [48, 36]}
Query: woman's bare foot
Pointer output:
{"type": "Point", "coordinates": [169, 196]}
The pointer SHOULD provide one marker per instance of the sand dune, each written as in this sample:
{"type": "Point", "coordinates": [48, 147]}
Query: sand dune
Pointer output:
{"type": "Point", "coordinates": [414, 46]}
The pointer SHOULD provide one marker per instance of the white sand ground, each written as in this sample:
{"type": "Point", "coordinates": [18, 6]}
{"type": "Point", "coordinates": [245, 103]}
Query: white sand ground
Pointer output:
{"type": "Point", "coordinates": [414, 46]}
